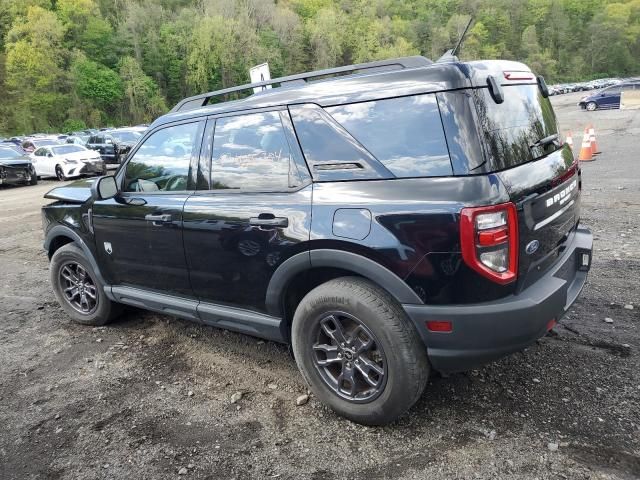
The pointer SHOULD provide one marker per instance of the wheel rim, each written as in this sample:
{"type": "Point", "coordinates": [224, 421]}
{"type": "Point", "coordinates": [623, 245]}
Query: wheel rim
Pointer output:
{"type": "Point", "coordinates": [59, 173]}
{"type": "Point", "coordinates": [349, 357]}
{"type": "Point", "coordinates": [78, 288]}
{"type": "Point", "coordinates": [591, 106]}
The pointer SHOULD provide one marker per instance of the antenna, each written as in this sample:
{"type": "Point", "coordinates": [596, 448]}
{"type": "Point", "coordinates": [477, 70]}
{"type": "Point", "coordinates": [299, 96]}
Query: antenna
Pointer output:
{"type": "Point", "coordinates": [450, 55]}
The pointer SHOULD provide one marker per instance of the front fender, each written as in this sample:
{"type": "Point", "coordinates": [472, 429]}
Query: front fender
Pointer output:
{"type": "Point", "coordinates": [58, 231]}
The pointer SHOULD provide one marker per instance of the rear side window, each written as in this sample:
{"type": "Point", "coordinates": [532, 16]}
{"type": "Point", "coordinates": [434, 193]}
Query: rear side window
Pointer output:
{"type": "Point", "coordinates": [251, 152]}
{"type": "Point", "coordinates": [512, 128]}
{"type": "Point", "coordinates": [405, 134]}
{"type": "Point", "coordinates": [332, 154]}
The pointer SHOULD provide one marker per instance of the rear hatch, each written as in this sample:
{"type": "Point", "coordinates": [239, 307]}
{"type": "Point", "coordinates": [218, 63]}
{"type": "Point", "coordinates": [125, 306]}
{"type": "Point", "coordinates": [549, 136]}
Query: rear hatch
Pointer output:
{"type": "Point", "coordinates": [524, 147]}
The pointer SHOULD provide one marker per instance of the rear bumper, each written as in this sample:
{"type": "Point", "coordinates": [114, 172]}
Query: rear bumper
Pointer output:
{"type": "Point", "coordinates": [484, 332]}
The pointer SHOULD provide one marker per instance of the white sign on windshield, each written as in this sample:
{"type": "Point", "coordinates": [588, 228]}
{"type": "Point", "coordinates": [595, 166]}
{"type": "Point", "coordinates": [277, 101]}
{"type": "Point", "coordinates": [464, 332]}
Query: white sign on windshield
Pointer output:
{"type": "Point", "coordinates": [260, 73]}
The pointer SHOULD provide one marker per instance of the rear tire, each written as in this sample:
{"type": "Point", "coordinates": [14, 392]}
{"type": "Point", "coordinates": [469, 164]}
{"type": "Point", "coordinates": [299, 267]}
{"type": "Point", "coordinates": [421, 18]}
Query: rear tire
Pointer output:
{"type": "Point", "coordinates": [72, 274]}
{"type": "Point", "coordinates": [374, 386]}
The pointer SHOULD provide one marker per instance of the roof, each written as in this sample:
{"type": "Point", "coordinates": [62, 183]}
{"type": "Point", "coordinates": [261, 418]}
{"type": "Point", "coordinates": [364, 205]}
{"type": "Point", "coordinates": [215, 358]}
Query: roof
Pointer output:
{"type": "Point", "coordinates": [411, 76]}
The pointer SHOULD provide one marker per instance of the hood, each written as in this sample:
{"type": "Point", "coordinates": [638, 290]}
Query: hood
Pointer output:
{"type": "Point", "coordinates": [76, 192]}
{"type": "Point", "coordinates": [10, 162]}
{"type": "Point", "coordinates": [83, 155]}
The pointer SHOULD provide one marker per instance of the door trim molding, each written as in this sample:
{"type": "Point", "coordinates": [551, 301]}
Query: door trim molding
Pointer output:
{"type": "Point", "coordinates": [221, 316]}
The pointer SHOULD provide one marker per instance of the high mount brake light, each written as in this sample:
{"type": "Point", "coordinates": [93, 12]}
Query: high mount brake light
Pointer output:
{"type": "Point", "coordinates": [489, 241]}
{"type": "Point", "coordinates": [515, 75]}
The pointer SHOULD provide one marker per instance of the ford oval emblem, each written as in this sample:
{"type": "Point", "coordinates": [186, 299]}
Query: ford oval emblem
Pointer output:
{"type": "Point", "coordinates": [532, 246]}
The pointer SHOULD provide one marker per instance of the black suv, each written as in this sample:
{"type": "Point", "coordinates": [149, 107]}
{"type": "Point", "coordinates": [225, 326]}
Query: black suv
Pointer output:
{"type": "Point", "coordinates": [386, 219]}
{"type": "Point", "coordinates": [115, 144]}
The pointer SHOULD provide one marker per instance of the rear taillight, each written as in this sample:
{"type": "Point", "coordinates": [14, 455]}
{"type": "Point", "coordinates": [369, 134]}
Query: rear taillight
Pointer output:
{"type": "Point", "coordinates": [489, 241]}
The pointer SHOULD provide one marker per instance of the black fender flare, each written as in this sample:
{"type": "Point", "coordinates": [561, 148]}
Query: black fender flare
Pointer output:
{"type": "Point", "coordinates": [358, 264]}
{"type": "Point", "coordinates": [64, 231]}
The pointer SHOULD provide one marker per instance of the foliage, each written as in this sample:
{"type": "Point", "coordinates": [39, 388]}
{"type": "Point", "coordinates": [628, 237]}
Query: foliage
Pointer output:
{"type": "Point", "coordinates": [67, 63]}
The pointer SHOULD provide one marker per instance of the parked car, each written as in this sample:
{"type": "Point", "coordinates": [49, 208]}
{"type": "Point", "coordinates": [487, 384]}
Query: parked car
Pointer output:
{"type": "Point", "coordinates": [77, 139]}
{"type": "Point", "coordinates": [607, 98]}
{"type": "Point", "coordinates": [124, 139]}
{"type": "Point", "coordinates": [67, 161]}
{"type": "Point", "coordinates": [401, 217]}
{"type": "Point", "coordinates": [16, 168]}
{"type": "Point", "coordinates": [32, 144]}
{"type": "Point", "coordinates": [114, 144]}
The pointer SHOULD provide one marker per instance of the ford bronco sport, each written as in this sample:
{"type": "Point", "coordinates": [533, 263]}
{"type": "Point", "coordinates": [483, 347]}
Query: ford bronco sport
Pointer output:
{"type": "Point", "coordinates": [386, 219]}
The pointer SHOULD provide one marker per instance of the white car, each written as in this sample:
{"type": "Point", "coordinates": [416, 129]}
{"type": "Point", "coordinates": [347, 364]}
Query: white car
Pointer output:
{"type": "Point", "coordinates": [66, 161]}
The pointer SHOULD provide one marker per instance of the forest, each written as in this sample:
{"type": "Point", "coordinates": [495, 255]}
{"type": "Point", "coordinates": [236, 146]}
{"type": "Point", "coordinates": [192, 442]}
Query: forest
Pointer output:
{"type": "Point", "coordinates": [72, 64]}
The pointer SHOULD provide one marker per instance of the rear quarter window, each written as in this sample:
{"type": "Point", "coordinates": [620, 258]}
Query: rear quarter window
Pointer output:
{"type": "Point", "coordinates": [405, 134]}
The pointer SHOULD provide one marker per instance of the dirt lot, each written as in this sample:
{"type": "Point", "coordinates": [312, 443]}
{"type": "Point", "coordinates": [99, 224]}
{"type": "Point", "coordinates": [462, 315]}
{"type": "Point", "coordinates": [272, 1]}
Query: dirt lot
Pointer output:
{"type": "Point", "coordinates": [150, 395]}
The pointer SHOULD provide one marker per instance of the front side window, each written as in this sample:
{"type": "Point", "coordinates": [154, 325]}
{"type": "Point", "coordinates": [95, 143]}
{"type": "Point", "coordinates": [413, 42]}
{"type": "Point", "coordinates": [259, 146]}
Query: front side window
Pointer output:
{"type": "Point", "coordinates": [162, 161]}
{"type": "Point", "coordinates": [405, 134]}
{"type": "Point", "coordinates": [251, 152]}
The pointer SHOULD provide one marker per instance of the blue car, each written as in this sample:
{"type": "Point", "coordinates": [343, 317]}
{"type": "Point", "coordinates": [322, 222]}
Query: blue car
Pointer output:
{"type": "Point", "coordinates": [607, 98]}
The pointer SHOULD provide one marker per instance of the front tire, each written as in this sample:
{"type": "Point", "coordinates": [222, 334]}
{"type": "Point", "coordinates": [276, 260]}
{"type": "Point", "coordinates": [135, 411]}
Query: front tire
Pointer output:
{"type": "Point", "coordinates": [60, 174]}
{"type": "Point", "coordinates": [591, 106]}
{"type": "Point", "coordinates": [358, 351]}
{"type": "Point", "coordinates": [78, 289]}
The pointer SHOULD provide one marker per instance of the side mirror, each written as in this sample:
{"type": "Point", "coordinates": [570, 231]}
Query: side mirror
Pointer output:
{"type": "Point", "coordinates": [104, 188]}
{"type": "Point", "coordinates": [50, 155]}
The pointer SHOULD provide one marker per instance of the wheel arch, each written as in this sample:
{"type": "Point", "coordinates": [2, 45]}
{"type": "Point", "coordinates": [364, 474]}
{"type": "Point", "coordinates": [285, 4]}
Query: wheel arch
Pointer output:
{"type": "Point", "coordinates": [61, 235]}
{"type": "Point", "coordinates": [299, 274]}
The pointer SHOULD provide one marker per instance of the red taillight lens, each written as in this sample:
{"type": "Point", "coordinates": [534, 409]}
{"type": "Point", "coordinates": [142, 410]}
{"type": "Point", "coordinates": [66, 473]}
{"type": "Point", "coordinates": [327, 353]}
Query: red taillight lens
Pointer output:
{"type": "Point", "coordinates": [489, 241]}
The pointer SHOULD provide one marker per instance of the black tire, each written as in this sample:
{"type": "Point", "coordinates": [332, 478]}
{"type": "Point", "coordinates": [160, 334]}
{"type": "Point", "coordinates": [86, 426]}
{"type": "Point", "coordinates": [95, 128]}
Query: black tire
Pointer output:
{"type": "Point", "coordinates": [591, 106]}
{"type": "Point", "coordinates": [104, 310]}
{"type": "Point", "coordinates": [34, 179]}
{"type": "Point", "coordinates": [399, 352]}
{"type": "Point", "coordinates": [60, 174]}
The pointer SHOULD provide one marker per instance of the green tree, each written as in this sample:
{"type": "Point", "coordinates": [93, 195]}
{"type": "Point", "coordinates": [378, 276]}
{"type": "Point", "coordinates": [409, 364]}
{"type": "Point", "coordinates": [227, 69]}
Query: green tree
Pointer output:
{"type": "Point", "coordinates": [142, 100]}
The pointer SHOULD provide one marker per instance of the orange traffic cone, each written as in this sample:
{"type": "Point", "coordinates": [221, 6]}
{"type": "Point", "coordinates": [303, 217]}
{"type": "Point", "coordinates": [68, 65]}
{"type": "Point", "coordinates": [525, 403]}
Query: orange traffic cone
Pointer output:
{"type": "Point", "coordinates": [592, 140]}
{"type": "Point", "coordinates": [585, 149]}
{"type": "Point", "coordinates": [569, 140]}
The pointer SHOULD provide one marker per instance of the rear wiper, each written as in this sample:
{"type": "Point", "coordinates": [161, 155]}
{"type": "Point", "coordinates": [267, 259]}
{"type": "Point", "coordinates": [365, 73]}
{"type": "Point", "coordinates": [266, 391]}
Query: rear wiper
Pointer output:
{"type": "Point", "coordinates": [543, 142]}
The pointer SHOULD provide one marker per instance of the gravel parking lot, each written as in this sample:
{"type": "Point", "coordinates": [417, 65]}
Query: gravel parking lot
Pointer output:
{"type": "Point", "coordinates": [150, 396]}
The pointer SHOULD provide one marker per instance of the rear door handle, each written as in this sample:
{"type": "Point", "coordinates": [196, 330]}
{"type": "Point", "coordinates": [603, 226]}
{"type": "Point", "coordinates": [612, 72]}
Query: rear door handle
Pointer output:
{"type": "Point", "coordinates": [164, 218]}
{"type": "Point", "coordinates": [268, 220]}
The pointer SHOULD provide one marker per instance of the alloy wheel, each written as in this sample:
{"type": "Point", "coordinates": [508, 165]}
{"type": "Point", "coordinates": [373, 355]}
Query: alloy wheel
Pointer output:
{"type": "Point", "coordinates": [78, 288]}
{"type": "Point", "coordinates": [591, 106]}
{"type": "Point", "coordinates": [349, 358]}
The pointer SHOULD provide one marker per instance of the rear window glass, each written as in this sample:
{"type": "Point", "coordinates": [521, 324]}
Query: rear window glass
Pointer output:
{"type": "Point", "coordinates": [404, 133]}
{"type": "Point", "coordinates": [512, 128]}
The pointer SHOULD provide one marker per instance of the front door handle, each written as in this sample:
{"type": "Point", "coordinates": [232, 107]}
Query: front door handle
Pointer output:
{"type": "Point", "coordinates": [163, 218]}
{"type": "Point", "coordinates": [268, 220]}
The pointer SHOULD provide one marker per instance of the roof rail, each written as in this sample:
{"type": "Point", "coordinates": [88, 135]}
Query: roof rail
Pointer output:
{"type": "Point", "coordinates": [203, 99]}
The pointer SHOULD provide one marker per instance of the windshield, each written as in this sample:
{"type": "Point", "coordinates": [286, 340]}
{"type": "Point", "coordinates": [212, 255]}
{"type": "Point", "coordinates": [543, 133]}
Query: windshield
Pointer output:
{"type": "Point", "coordinates": [9, 153]}
{"type": "Point", "coordinates": [131, 137]}
{"type": "Point", "coordinates": [44, 143]}
{"type": "Point", "coordinates": [513, 128]}
{"type": "Point", "coordinates": [66, 149]}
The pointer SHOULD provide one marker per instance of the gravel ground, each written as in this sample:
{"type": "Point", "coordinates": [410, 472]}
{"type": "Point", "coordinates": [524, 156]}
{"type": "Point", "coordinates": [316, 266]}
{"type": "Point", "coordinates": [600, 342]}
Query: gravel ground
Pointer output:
{"type": "Point", "coordinates": [150, 396]}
